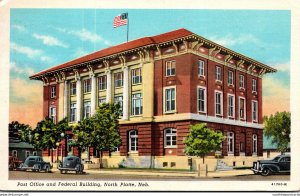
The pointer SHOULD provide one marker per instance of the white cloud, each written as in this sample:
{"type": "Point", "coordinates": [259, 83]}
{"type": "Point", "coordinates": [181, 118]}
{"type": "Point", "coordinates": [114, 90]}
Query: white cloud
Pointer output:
{"type": "Point", "coordinates": [49, 40]}
{"type": "Point", "coordinates": [230, 40]}
{"type": "Point", "coordinates": [18, 27]}
{"type": "Point", "coordinates": [284, 67]}
{"type": "Point", "coordinates": [47, 59]}
{"type": "Point", "coordinates": [80, 52]}
{"type": "Point", "coordinates": [29, 52]}
{"type": "Point", "coordinates": [85, 35]}
{"type": "Point", "coordinates": [21, 69]}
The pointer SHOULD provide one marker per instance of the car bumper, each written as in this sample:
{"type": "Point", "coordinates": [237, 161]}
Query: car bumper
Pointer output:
{"type": "Point", "coordinates": [256, 170]}
{"type": "Point", "coordinates": [67, 168]}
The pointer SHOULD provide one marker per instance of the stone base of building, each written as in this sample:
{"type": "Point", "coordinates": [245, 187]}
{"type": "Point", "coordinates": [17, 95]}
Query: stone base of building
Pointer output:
{"type": "Point", "coordinates": [167, 162]}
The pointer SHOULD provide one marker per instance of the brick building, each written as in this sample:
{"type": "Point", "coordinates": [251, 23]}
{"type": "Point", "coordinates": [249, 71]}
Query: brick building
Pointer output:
{"type": "Point", "coordinates": [164, 83]}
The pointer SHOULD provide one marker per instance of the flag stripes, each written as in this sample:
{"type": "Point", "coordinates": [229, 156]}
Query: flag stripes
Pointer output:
{"type": "Point", "coordinates": [120, 20]}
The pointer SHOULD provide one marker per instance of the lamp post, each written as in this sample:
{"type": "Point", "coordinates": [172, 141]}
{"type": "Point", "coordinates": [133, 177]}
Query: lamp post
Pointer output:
{"type": "Point", "coordinates": [66, 145]}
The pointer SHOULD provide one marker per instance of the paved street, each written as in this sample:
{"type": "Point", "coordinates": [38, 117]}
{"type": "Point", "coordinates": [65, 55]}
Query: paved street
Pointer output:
{"type": "Point", "coordinates": [94, 176]}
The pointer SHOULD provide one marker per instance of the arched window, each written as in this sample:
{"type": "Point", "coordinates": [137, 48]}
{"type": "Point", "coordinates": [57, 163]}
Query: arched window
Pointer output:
{"type": "Point", "coordinates": [254, 144]}
{"type": "Point", "coordinates": [170, 137]}
{"type": "Point", "coordinates": [133, 140]}
{"type": "Point", "coordinates": [230, 141]}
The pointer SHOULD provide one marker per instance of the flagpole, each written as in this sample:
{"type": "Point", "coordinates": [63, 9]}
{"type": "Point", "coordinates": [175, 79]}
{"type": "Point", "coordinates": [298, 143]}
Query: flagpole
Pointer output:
{"type": "Point", "coordinates": [127, 26]}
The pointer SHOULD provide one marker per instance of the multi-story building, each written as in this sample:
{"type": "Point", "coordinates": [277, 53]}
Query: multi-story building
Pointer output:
{"type": "Point", "coordinates": [165, 83]}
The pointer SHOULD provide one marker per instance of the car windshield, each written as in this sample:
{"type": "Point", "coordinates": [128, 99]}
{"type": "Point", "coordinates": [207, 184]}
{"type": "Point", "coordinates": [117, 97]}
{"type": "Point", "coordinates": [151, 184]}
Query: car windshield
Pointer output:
{"type": "Point", "coordinates": [276, 158]}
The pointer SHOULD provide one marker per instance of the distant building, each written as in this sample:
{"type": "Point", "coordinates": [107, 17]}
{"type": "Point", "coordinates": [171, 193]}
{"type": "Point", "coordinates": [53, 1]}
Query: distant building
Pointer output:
{"type": "Point", "coordinates": [269, 149]}
{"type": "Point", "coordinates": [164, 83]}
{"type": "Point", "coordinates": [20, 149]}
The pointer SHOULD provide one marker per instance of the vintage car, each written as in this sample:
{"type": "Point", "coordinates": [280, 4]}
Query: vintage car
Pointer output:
{"type": "Point", "coordinates": [71, 163]}
{"type": "Point", "coordinates": [35, 163]}
{"type": "Point", "coordinates": [280, 164]}
{"type": "Point", "coordinates": [13, 163]}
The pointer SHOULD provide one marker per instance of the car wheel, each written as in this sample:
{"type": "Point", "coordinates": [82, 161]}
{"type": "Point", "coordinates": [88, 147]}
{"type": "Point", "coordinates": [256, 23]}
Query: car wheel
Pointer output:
{"type": "Point", "coordinates": [61, 171]}
{"type": "Point", "coordinates": [47, 169]}
{"type": "Point", "coordinates": [265, 172]}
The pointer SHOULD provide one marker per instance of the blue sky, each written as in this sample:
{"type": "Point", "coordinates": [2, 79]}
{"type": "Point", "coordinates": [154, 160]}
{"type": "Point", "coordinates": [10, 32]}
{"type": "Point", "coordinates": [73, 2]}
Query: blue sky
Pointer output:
{"type": "Point", "coordinates": [41, 38]}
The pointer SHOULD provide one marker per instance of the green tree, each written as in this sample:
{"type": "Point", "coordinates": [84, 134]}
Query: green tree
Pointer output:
{"type": "Point", "coordinates": [106, 135]}
{"type": "Point", "coordinates": [47, 134]}
{"type": "Point", "coordinates": [278, 128]}
{"type": "Point", "coordinates": [19, 131]}
{"type": "Point", "coordinates": [83, 135]}
{"type": "Point", "coordinates": [202, 140]}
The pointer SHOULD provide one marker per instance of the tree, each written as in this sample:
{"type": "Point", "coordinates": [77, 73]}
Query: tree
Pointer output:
{"type": "Point", "coordinates": [47, 134]}
{"type": "Point", "coordinates": [83, 135]}
{"type": "Point", "coordinates": [278, 128]}
{"type": "Point", "coordinates": [106, 135]}
{"type": "Point", "coordinates": [19, 131]}
{"type": "Point", "coordinates": [202, 140]}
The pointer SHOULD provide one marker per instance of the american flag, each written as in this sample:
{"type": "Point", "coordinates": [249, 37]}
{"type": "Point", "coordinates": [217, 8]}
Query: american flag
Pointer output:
{"type": "Point", "coordinates": [120, 20]}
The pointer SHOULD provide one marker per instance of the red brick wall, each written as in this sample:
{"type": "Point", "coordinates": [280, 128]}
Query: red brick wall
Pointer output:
{"type": "Point", "coordinates": [48, 101]}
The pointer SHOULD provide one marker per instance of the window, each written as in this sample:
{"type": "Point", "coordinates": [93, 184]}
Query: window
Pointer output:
{"type": "Point", "coordinates": [73, 112]}
{"type": "Point", "coordinates": [119, 79]}
{"type": "Point", "coordinates": [53, 91]}
{"type": "Point", "coordinates": [14, 153]}
{"type": "Point", "coordinates": [231, 106]}
{"type": "Point", "coordinates": [73, 88]}
{"type": "Point", "coordinates": [87, 86]}
{"type": "Point", "coordinates": [254, 144]}
{"type": "Point", "coordinates": [219, 103]}
{"type": "Point", "coordinates": [201, 68]}
{"type": "Point", "coordinates": [254, 111]}
{"type": "Point", "coordinates": [170, 68]}
{"type": "Point", "coordinates": [27, 154]}
{"type": "Point", "coordinates": [102, 82]}
{"type": "Point", "coordinates": [253, 85]}
{"type": "Point", "coordinates": [136, 75]}
{"type": "Point", "coordinates": [201, 99]}
{"type": "Point", "coordinates": [102, 100]}
{"type": "Point", "coordinates": [242, 108]}
{"type": "Point", "coordinates": [119, 99]}
{"type": "Point", "coordinates": [133, 140]}
{"type": "Point", "coordinates": [230, 141]}
{"type": "Point", "coordinates": [242, 81]}
{"type": "Point", "coordinates": [53, 114]}
{"type": "Point", "coordinates": [230, 78]}
{"type": "Point", "coordinates": [137, 104]}
{"type": "Point", "coordinates": [170, 100]}
{"type": "Point", "coordinates": [170, 137]}
{"type": "Point", "coordinates": [218, 73]}
{"type": "Point", "coordinates": [86, 109]}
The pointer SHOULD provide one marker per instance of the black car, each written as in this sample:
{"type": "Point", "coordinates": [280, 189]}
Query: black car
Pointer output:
{"type": "Point", "coordinates": [71, 163]}
{"type": "Point", "coordinates": [35, 163]}
{"type": "Point", "coordinates": [280, 164]}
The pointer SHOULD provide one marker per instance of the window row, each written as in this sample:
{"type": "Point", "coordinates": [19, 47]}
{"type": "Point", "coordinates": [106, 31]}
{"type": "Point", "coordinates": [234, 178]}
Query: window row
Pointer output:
{"type": "Point", "coordinates": [136, 78]}
{"type": "Point", "coordinates": [202, 104]}
{"type": "Point", "coordinates": [242, 144]}
{"type": "Point", "coordinates": [170, 103]}
{"type": "Point", "coordinates": [230, 81]}
{"type": "Point", "coordinates": [170, 141]}
{"type": "Point", "coordinates": [136, 106]}
{"type": "Point", "coordinates": [170, 68]}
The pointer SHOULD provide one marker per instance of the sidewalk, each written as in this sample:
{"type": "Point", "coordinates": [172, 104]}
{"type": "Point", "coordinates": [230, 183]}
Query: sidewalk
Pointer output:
{"type": "Point", "coordinates": [146, 172]}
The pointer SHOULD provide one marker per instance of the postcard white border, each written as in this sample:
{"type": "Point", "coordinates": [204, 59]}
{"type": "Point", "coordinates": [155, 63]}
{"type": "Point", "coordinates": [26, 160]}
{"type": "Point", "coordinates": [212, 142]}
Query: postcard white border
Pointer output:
{"type": "Point", "coordinates": [292, 5]}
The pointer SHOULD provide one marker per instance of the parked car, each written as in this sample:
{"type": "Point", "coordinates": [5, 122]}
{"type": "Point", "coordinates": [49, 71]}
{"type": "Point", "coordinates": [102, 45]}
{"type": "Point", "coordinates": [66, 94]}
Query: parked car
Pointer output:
{"type": "Point", "coordinates": [35, 163]}
{"type": "Point", "coordinates": [13, 163]}
{"type": "Point", "coordinates": [280, 164]}
{"type": "Point", "coordinates": [71, 163]}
